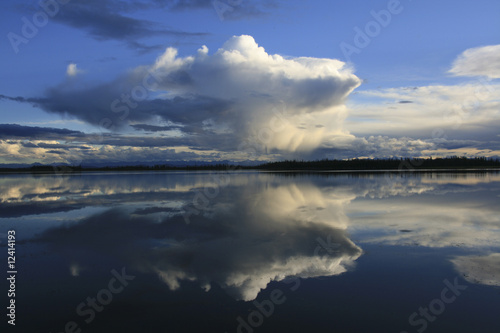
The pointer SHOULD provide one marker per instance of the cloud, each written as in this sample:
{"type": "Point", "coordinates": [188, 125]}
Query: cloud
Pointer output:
{"type": "Point", "coordinates": [226, 10]}
{"type": "Point", "coordinates": [461, 119]}
{"type": "Point", "coordinates": [72, 70]}
{"type": "Point", "coordinates": [107, 20]}
{"type": "Point", "coordinates": [238, 95]}
{"type": "Point", "coordinates": [242, 103]}
{"type": "Point", "coordinates": [378, 146]}
{"type": "Point", "coordinates": [117, 20]}
{"type": "Point", "coordinates": [444, 115]}
{"type": "Point", "coordinates": [131, 151]}
{"type": "Point", "coordinates": [154, 128]}
{"type": "Point", "coordinates": [30, 132]}
{"type": "Point", "coordinates": [29, 144]}
{"type": "Point", "coordinates": [479, 61]}
{"type": "Point", "coordinates": [20, 99]}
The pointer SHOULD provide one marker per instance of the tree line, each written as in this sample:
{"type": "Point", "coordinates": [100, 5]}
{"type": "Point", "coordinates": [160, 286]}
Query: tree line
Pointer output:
{"type": "Point", "coordinates": [453, 162]}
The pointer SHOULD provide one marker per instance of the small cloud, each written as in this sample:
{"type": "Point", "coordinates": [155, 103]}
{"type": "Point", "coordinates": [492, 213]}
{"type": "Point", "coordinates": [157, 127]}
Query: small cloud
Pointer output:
{"type": "Point", "coordinates": [479, 61]}
{"type": "Point", "coordinates": [405, 102]}
{"type": "Point", "coordinates": [75, 269]}
{"type": "Point", "coordinates": [73, 70]}
{"type": "Point", "coordinates": [153, 128]}
{"type": "Point", "coordinates": [9, 131]}
{"type": "Point", "coordinates": [57, 152]}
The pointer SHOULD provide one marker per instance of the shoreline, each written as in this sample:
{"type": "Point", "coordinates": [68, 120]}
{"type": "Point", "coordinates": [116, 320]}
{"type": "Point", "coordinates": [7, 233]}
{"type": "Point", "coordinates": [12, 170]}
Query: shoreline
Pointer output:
{"type": "Point", "coordinates": [239, 169]}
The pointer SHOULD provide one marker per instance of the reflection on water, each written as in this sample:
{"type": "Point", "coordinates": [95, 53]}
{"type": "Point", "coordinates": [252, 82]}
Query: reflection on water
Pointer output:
{"type": "Point", "coordinates": [255, 232]}
{"type": "Point", "coordinates": [480, 269]}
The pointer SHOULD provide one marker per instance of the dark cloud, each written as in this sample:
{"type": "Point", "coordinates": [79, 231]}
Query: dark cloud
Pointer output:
{"type": "Point", "coordinates": [52, 145]}
{"type": "Point", "coordinates": [111, 106]}
{"type": "Point", "coordinates": [58, 152]}
{"type": "Point", "coordinates": [153, 128]}
{"type": "Point", "coordinates": [143, 141]}
{"type": "Point", "coordinates": [116, 20]}
{"type": "Point", "coordinates": [405, 102]}
{"type": "Point", "coordinates": [113, 20]}
{"type": "Point", "coordinates": [12, 132]}
{"type": "Point", "coordinates": [225, 9]}
{"type": "Point", "coordinates": [153, 210]}
{"type": "Point", "coordinates": [33, 101]}
{"type": "Point", "coordinates": [9, 131]}
{"type": "Point", "coordinates": [27, 144]}
{"type": "Point", "coordinates": [119, 19]}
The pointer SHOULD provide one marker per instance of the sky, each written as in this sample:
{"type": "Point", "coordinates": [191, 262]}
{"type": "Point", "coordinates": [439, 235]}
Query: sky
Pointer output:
{"type": "Point", "coordinates": [116, 81]}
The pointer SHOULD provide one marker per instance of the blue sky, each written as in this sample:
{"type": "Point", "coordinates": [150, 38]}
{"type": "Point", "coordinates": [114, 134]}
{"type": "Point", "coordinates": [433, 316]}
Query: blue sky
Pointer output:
{"type": "Point", "coordinates": [342, 79]}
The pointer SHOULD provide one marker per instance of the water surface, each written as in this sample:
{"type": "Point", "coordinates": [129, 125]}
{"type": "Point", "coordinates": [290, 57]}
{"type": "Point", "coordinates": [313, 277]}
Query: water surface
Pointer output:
{"type": "Point", "coordinates": [254, 252]}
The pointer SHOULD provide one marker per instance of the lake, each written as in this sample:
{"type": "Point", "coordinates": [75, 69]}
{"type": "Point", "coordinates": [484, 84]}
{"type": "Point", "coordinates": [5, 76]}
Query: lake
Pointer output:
{"type": "Point", "coordinates": [253, 252]}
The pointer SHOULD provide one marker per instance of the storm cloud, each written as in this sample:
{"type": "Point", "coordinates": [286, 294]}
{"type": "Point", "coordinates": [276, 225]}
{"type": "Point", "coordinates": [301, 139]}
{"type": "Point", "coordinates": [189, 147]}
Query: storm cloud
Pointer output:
{"type": "Point", "coordinates": [237, 93]}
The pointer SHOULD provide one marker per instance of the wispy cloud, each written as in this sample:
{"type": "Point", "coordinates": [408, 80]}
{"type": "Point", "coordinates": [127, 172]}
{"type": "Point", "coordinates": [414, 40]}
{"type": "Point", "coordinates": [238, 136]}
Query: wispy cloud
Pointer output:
{"type": "Point", "coordinates": [479, 61]}
{"type": "Point", "coordinates": [110, 20]}
{"type": "Point", "coordinates": [9, 131]}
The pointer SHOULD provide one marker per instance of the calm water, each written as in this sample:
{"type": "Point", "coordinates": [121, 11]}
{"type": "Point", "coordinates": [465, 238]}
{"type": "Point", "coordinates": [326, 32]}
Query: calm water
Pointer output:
{"type": "Point", "coordinates": [253, 252]}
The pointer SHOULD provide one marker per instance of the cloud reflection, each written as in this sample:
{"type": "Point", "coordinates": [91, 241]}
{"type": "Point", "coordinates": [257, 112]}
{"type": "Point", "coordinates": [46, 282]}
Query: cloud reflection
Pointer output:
{"type": "Point", "coordinates": [260, 227]}
{"type": "Point", "coordinates": [479, 269]}
{"type": "Point", "coordinates": [250, 238]}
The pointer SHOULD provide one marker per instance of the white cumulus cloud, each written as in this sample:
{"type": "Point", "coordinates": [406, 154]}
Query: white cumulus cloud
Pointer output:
{"type": "Point", "coordinates": [73, 70]}
{"type": "Point", "coordinates": [223, 99]}
{"type": "Point", "coordinates": [479, 61]}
